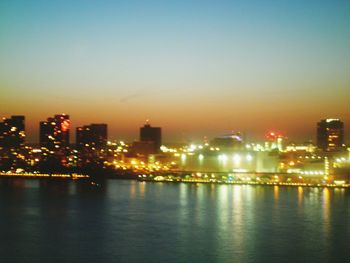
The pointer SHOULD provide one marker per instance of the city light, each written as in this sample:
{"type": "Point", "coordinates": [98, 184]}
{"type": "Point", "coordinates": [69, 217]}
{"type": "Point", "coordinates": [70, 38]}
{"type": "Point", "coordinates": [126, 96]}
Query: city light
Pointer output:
{"type": "Point", "coordinates": [230, 162]}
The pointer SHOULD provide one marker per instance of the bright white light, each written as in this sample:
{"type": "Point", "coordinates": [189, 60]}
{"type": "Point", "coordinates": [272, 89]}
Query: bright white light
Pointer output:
{"type": "Point", "coordinates": [237, 158]}
{"type": "Point", "coordinates": [222, 157]}
{"type": "Point", "coordinates": [249, 157]}
{"type": "Point", "coordinates": [192, 148]}
{"type": "Point", "coordinates": [331, 120]}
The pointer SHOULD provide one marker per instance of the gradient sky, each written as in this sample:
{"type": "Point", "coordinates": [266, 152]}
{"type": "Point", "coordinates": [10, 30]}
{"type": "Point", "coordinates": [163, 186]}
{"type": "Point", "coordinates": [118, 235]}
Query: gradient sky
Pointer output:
{"type": "Point", "coordinates": [195, 68]}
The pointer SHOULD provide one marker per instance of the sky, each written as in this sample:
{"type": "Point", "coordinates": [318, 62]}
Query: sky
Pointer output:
{"type": "Point", "coordinates": [194, 68]}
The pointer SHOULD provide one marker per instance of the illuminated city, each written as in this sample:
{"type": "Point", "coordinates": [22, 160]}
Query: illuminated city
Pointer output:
{"type": "Point", "coordinates": [183, 131]}
{"type": "Point", "coordinates": [224, 159]}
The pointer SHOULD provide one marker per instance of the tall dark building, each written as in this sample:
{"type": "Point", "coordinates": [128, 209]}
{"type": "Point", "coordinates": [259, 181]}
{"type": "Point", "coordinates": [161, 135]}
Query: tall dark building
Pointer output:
{"type": "Point", "coordinates": [93, 135]}
{"type": "Point", "coordinates": [330, 134]}
{"type": "Point", "coordinates": [90, 142]}
{"type": "Point", "coordinates": [54, 132]}
{"type": "Point", "coordinates": [151, 134]}
{"type": "Point", "coordinates": [12, 132]}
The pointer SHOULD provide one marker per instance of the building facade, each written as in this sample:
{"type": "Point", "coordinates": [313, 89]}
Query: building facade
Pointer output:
{"type": "Point", "coordinates": [91, 140]}
{"type": "Point", "coordinates": [54, 133]}
{"type": "Point", "coordinates": [12, 132]}
{"type": "Point", "coordinates": [91, 136]}
{"type": "Point", "coordinates": [330, 134]}
{"type": "Point", "coordinates": [151, 134]}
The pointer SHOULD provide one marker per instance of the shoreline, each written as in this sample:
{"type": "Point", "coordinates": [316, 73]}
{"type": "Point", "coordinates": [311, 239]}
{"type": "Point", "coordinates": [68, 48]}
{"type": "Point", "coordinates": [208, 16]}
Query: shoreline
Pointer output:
{"type": "Point", "coordinates": [282, 184]}
{"type": "Point", "coordinates": [75, 176]}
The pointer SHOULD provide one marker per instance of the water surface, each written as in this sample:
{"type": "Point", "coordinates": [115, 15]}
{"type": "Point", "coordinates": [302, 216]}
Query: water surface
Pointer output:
{"type": "Point", "coordinates": [130, 221]}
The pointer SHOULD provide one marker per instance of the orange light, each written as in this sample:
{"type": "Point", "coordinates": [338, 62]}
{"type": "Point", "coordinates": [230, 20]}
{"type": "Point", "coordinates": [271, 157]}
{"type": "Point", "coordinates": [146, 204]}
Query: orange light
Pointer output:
{"type": "Point", "coordinates": [65, 125]}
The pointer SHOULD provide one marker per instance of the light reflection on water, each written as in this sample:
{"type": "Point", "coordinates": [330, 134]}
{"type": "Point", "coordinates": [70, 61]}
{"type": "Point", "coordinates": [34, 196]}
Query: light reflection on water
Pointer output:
{"type": "Point", "coordinates": [300, 196]}
{"type": "Point", "coordinates": [130, 221]}
{"type": "Point", "coordinates": [276, 193]}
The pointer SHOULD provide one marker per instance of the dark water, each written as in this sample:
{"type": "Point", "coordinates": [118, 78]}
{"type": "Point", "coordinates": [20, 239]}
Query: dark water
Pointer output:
{"type": "Point", "coordinates": [129, 221]}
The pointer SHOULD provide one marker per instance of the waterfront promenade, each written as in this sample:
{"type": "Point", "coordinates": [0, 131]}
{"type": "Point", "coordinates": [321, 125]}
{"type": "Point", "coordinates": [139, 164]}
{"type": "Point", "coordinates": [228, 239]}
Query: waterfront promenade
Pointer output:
{"type": "Point", "coordinates": [73, 176]}
{"type": "Point", "coordinates": [281, 179]}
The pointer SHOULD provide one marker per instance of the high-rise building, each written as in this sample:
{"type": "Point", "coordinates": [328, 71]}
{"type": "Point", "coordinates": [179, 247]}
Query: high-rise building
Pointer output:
{"type": "Point", "coordinates": [151, 134]}
{"type": "Point", "coordinates": [54, 133]}
{"type": "Point", "coordinates": [91, 136]}
{"type": "Point", "coordinates": [91, 140]}
{"type": "Point", "coordinates": [12, 132]}
{"type": "Point", "coordinates": [330, 134]}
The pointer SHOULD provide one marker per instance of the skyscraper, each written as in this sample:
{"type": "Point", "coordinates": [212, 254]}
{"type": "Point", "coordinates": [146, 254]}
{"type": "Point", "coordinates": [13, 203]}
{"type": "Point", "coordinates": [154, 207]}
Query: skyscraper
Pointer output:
{"type": "Point", "coordinates": [12, 132]}
{"type": "Point", "coordinates": [92, 136]}
{"type": "Point", "coordinates": [90, 142]}
{"type": "Point", "coordinates": [151, 134]}
{"type": "Point", "coordinates": [330, 134]}
{"type": "Point", "coordinates": [54, 132]}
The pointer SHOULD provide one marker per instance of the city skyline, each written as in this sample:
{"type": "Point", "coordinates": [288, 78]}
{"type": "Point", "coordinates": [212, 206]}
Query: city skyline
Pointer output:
{"type": "Point", "coordinates": [96, 130]}
{"type": "Point", "coordinates": [174, 131]}
{"type": "Point", "coordinates": [195, 68]}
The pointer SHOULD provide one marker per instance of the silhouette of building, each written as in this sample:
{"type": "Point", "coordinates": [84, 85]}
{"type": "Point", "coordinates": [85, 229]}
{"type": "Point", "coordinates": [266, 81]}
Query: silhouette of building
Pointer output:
{"type": "Point", "coordinates": [91, 140]}
{"type": "Point", "coordinates": [330, 134]}
{"type": "Point", "coordinates": [12, 132]}
{"type": "Point", "coordinates": [91, 136]}
{"type": "Point", "coordinates": [153, 135]}
{"type": "Point", "coordinates": [54, 133]}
